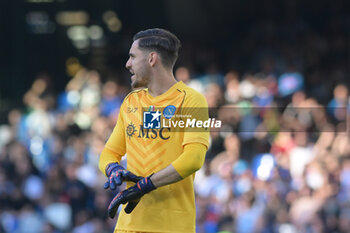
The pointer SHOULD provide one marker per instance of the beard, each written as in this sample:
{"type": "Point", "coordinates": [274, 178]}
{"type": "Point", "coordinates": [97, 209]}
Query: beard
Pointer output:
{"type": "Point", "coordinates": [140, 81]}
{"type": "Point", "coordinates": [136, 84]}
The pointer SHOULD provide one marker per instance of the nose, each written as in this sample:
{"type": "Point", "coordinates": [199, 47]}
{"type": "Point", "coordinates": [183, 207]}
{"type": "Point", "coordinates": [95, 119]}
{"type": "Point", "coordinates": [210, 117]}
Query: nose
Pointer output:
{"type": "Point", "coordinates": [128, 64]}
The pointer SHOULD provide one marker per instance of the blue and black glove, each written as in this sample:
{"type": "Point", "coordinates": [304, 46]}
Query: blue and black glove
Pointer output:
{"type": "Point", "coordinates": [117, 174]}
{"type": "Point", "coordinates": [131, 196]}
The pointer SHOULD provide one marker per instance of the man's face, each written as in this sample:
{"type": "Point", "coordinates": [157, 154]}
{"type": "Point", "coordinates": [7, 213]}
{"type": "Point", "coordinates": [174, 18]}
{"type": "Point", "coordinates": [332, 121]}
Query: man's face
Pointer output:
{"type": "Point", "coordinates": [138, 66]}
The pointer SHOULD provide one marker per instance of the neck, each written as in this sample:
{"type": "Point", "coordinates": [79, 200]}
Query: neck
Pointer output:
{"type": "Point", "coordinates": [161, 82]}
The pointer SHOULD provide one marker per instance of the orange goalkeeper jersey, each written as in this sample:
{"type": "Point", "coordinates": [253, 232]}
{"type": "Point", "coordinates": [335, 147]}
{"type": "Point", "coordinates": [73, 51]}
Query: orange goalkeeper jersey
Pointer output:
{"type": "Point", "coordinates": [151, 145]}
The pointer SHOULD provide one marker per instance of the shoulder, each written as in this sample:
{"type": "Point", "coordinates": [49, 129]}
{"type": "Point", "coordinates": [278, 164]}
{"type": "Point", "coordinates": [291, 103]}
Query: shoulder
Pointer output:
{"type": "Point", "coordinates": [132, 98]}
{"type": "Point", "coordinates": [192, 97]}
{"type": "Point", "coordinates": [135, 94]}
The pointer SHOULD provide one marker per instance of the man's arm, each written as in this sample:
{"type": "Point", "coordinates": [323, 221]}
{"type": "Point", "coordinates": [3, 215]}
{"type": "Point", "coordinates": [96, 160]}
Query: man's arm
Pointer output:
{"type": "Point", "coordinates": [189, 161]}
{"type": "Point", "coordinates": [115, 146]}
{"type": "Point", "coordinates": [166, 176]}
{"type": "Point", "coordinates": [107, 157]}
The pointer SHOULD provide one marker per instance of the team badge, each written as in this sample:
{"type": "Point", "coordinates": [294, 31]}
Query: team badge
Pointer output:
{"type": "Point", "coordinates": [169, 111]}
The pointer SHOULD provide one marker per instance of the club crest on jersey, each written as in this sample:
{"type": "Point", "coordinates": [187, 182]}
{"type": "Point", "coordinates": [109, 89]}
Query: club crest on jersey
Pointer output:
{"type": "Point", "coordinates": [151, 119]}
{"type": "Point", "coordinates": [169, 111]}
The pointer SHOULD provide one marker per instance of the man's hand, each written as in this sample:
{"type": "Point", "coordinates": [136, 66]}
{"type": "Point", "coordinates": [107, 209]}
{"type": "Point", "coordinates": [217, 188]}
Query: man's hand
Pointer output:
{"type": "Point", "coordinates": [131, 196]}
{"type": "Point", "coordinates": [117, 174]}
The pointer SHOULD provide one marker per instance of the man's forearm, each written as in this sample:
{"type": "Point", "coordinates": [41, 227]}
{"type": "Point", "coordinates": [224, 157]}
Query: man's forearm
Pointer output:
{"type": "Point", "coordinates": [107, 156]}
{"type": "Point", "coordinates": [188, 162]}
{"type": "Point", "coordinates": [166, 176]}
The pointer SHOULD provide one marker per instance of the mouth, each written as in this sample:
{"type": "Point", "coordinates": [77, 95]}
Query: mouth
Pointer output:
{"type": "Point", "coordinates": [132, 73]}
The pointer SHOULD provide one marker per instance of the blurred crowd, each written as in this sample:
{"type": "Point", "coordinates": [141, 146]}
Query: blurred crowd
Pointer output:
{"type": "Point", "coordinates": [280, 163]}
{"type": "Point", "coordinates": [49, 177]}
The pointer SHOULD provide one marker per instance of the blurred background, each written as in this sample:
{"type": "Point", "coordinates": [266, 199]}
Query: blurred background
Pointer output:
{"type": "Point", "coordinates": [275, 72]}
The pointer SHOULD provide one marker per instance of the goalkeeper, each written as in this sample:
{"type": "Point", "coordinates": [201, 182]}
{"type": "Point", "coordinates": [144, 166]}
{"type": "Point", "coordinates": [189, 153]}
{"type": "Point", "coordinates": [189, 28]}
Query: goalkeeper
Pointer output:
{"type": "Point", "coordinates": [161, 161]}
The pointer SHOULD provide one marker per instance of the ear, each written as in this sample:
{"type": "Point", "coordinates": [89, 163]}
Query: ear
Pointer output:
{"type": "Point", "coordinates": [153, 58]}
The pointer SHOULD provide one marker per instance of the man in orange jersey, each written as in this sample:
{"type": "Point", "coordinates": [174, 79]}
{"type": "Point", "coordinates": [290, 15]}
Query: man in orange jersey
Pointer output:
{"type": "Point", "coordinates": [160, 160]}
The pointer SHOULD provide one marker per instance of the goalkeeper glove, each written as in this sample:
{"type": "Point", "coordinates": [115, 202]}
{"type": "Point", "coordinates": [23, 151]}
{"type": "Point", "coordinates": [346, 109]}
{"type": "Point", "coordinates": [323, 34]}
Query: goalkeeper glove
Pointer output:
{"type": "Point", "coordinates": [131, 196]}
{"type": "Point", "coordinates": [117, 174]}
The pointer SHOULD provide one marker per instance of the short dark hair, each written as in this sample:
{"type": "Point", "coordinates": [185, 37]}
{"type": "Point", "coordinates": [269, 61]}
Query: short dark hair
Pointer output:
{"type": "Point", "coordinates": [165, 43]}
